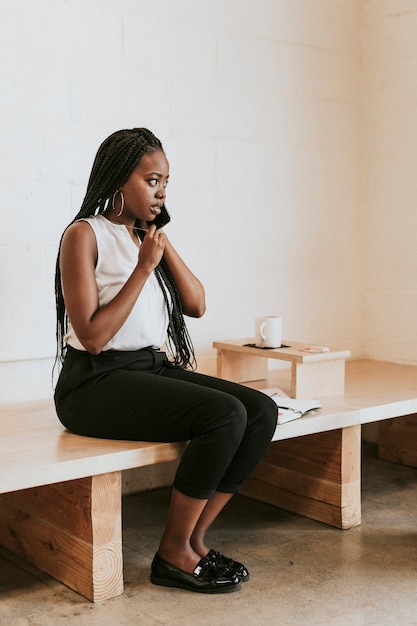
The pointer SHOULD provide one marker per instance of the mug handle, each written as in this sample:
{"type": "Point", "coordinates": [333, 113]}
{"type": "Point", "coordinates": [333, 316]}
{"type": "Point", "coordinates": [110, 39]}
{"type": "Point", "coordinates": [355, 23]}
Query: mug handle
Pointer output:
{"type": "Point", "coordinates": [261, 330]}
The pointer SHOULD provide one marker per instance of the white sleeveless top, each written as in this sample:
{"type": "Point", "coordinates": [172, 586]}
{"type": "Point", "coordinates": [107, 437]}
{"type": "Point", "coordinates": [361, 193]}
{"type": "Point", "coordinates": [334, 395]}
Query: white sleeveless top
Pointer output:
{"type": "Point", "coordinates": [147, 323]}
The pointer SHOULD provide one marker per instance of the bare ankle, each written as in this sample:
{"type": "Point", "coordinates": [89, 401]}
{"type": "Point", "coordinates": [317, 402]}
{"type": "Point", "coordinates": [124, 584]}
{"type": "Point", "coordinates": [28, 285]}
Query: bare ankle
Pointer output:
{"type": "Point", "coordinates": [200, 548]}
{"type": "Point", "coordinates": [184, 559]}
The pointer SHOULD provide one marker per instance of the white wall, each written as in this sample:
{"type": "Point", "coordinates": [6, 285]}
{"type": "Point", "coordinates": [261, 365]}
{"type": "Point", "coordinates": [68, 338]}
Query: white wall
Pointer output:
{"type": "Point", "coordinates": [258, 107]}
{"type": "Point", "coordinates": [389, 89]}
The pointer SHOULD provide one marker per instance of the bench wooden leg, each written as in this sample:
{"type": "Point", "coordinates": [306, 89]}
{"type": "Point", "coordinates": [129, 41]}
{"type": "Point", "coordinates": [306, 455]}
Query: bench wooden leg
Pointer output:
{"type": "Point", "coordinates": [317, 476]}
{"type": "Point", "coordinates": [70, 530]}
{"type": "Point", "coordinates": [397, 440]}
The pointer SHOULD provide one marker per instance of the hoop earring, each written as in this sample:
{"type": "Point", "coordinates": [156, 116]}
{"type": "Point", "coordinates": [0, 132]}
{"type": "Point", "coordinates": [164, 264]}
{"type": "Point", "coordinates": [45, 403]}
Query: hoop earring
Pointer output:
{"type": "Point", "coordinates": [122, 199]}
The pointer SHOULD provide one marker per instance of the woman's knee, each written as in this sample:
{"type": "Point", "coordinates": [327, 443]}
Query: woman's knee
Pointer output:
{"type": "Point", "coordinates": [269, 407]}
{"type": "Point", "coordinates": [265, 415]}
{"type": "Point", "coordinates": [228, 417]}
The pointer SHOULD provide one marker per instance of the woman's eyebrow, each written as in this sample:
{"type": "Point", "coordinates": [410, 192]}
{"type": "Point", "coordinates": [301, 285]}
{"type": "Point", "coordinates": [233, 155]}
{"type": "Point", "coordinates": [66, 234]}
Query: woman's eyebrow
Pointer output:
{"type": "Point", "coordinates": [157, 174]}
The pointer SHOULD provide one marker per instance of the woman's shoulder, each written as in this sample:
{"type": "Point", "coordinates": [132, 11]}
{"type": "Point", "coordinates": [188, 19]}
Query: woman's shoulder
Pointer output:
{"type": "Point", "coordinates": [87, 225]}
{"type": "Point", "coordinates": [80, 228]}
{"type": "Point", "coordinates": [79, 235]}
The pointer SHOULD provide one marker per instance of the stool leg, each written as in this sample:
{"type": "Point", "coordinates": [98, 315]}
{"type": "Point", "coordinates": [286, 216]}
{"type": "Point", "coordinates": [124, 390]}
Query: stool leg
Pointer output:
{"type": "Point", "coordinates": [318, 379]}
{"type": "Point", "coordinates": [239, 367]}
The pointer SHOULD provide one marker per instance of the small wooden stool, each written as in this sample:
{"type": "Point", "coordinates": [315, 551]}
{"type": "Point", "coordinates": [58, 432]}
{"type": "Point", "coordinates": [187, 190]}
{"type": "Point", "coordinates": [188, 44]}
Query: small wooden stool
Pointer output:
{"type": "Point", "coordinates": [313, 375]}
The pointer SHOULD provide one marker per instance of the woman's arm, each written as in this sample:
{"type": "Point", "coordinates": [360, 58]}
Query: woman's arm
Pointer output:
{"type": "Point", "coordinates": [94, 325]}
{"type": "Point", "coordinates": [189, 287]}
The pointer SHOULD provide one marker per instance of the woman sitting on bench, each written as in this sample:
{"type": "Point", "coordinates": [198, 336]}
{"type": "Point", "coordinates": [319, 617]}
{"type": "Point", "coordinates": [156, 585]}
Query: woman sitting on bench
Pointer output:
{"type": "Point", "coordinates": [121, 292]}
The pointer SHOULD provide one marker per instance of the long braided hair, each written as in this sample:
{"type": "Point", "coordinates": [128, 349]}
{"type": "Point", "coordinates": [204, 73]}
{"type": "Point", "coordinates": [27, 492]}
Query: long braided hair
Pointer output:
{"type": "Point", "coordinates": [116, 159]}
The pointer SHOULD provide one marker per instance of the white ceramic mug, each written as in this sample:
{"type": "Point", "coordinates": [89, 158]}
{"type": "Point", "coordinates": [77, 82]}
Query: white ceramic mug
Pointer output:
{"type": "Point", "coordinates": [268, 331]}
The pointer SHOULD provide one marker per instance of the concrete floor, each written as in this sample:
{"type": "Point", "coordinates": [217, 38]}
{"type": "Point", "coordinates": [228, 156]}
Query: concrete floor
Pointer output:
{"type": "Point", "coordinates": [302, 572]}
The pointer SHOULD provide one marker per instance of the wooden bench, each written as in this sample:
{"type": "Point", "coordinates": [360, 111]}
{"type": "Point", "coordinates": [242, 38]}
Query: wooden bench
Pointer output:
{"type": "Point", "coordinates": [60, 502]}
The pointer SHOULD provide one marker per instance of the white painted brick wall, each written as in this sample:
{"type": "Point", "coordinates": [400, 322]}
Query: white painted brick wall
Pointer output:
{"type": "Point", "coordinates": [389, 89]}
{"type": "Point", "coordinates": [258, 107]}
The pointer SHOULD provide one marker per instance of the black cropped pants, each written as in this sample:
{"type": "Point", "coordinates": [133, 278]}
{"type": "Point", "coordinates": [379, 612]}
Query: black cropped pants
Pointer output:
{"type": "Point", "coordinates": [140, 396]}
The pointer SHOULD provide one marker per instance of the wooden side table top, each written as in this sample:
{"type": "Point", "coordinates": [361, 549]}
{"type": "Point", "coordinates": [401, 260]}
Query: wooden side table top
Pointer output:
{"type": "Point", "coordinates": [289, 351]}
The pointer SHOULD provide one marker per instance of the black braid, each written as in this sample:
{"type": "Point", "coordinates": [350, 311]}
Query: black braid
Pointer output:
{"type": "Point", "coordinates": [178, 341]}
{"type": "Point", "coordinates": [116, 159]}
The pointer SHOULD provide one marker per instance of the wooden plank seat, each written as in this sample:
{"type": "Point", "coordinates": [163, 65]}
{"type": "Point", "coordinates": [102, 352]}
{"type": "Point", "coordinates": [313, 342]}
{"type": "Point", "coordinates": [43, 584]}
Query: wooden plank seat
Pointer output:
{"type": "Point", "coordinates": [60, 494]}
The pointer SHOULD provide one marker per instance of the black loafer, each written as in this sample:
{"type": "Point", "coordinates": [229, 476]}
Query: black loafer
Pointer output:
{"type": "Point", "coordinates": [226, 565]}
{"type": "Point", "coordinates": [206, 577]}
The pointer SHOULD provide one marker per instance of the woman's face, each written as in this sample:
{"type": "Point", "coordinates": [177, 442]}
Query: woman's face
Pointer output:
{"type": "Point", "coordinates": [145, 190]}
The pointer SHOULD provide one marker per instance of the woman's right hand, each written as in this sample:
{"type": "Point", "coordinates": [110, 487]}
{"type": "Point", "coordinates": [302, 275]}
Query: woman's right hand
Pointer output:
{"type": "Point", "coordinates": [152, 249]}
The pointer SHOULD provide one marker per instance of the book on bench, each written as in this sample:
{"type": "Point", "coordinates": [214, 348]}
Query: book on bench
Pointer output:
{"type": "Point", "coordinates": [290, 408]}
